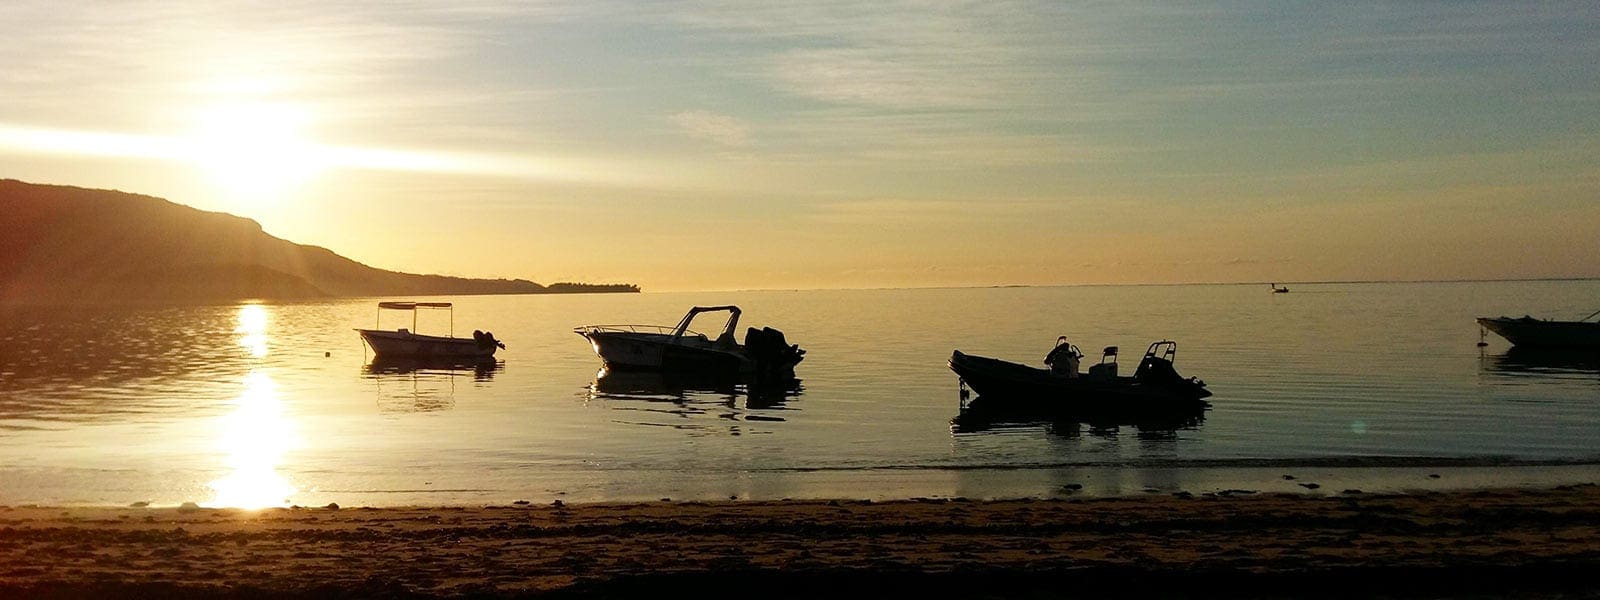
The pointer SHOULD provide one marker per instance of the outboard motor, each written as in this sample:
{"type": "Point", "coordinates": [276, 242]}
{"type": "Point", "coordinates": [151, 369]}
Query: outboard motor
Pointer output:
{"type": "Point", "coordinates": [773, 355]}
{"type": "Point", "coordinates": [486, 339]}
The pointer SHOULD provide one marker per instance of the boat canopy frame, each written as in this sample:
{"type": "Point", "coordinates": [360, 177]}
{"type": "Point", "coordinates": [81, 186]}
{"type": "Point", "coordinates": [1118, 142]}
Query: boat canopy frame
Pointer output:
{"type": "Point", "coordinates": [1165, 349]}
{"type": "Point", "coordinates": [676, 332]}
{"type": "Point", "coordinates": [413, 307]}
{"type": "Point", "coordinates": [727, 329]}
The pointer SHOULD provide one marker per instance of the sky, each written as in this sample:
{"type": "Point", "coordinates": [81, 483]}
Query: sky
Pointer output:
{"type": "Point", "coordinates": [742, 145]}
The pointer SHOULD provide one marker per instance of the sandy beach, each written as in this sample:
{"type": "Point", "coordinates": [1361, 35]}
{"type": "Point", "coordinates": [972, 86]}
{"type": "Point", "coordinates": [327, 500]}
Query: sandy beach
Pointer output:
{"type": "Point", "coordinates": [1541, 542]}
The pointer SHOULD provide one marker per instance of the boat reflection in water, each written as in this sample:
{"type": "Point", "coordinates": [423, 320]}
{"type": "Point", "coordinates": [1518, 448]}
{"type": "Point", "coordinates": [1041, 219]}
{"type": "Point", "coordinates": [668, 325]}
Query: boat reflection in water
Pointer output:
{"type": "Point", "coordinates": [976, 418]}
{"type": "Point", "coordinates": [482, 369]}
{"type": "Point", "coordinates": [424, 384]}
{"type": "Point", "coordinates": [656, 385]}
{"type": "Point", "coordinates": [686, 396]}
{"type": "Point", "coordinates": [1519, 361]}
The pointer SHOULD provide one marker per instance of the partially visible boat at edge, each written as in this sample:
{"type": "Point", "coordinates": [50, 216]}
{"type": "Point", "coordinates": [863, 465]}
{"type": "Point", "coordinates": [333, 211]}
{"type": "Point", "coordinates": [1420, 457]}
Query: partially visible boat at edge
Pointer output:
{"type": "Point", "coordinates": [406, 343]}
{"type": "Point", "coordinates": [1154, 391]}
{"type": "Point", "coordinates": [765, 353]}
{"type": "Point", "coordinates": [1527, 331]}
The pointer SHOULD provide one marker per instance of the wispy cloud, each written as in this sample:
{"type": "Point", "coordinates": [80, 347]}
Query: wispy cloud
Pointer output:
{"type": "Point", "coordinates": [897, 55]}
{"type": "Point", "coordinates": [906, 212]}
{"type": "Point", "coordinates": [721, 129]}
{"type": "Point", "coordinates": [21, 139]}
{"type": "Point", "coordinates": [136, 66]}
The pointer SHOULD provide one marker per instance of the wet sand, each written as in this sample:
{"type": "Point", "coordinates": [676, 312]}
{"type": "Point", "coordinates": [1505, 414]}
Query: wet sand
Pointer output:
{"type": "Point", "coordinates": [1543, 542]}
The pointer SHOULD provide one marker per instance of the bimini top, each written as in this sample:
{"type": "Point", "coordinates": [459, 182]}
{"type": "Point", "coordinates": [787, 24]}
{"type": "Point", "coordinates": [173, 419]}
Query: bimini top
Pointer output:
{"type": "Point", "coordinates": [413, 305]}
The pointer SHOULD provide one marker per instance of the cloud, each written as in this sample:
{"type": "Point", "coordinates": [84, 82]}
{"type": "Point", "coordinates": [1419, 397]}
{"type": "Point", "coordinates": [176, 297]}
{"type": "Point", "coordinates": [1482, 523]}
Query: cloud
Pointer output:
{"type": "Point", "coordinates": [892, 55]}
{"type": "Point", "coordinates": [140, 65]}
{"type": "Point", "coordinates": [721, 129]}
{"type": "Point", "coordinates": [928, 212]}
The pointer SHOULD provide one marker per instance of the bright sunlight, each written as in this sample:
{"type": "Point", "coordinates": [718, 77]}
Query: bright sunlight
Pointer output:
{"type": "Point", "coordinates": [256, 150]}
{"type": "Point", "coordinates": [254, 437]}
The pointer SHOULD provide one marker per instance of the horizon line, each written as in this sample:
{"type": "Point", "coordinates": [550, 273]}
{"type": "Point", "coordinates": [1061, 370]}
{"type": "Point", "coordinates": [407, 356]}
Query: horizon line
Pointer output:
{"type": "Point", "coordinates": [1147, 284]}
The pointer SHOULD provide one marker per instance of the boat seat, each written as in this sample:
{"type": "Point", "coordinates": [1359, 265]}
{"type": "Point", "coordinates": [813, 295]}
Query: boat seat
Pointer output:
{"type": "Point", "coordinates": [1105, 370]}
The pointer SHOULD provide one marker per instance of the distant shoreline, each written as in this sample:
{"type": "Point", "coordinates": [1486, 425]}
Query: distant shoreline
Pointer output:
{"type": "Point", "coordinates": [72, 246]}
{"type": "Point", "coordinates": [1173, 284]}
{"type": "Point", "coordinates": [11, 303]}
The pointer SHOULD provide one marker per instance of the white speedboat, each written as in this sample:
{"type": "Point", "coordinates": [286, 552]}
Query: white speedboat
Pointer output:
{"type": "Point", "coordinates": [407, 343]}
{"type": "Point", "coordinates": [764, 353]}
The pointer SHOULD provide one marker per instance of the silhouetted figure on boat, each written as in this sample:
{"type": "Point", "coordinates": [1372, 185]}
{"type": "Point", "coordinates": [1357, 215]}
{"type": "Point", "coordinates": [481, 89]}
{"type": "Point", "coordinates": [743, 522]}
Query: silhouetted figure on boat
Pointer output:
{"type": "Point", "coordinates": [1063, 359]}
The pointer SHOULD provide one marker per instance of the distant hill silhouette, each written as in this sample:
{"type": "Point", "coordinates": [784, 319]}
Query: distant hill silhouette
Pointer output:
{"type": "Point", "coordinates": [70, 245]}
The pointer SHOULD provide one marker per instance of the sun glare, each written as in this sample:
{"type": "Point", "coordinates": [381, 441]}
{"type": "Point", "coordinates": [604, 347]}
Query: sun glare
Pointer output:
{"type": "Point", "coordinates": [253, 329]}
{"type": "Point", "coordinates": [256, 150]}
{"type": "Point", "coordinates": [254, 438]}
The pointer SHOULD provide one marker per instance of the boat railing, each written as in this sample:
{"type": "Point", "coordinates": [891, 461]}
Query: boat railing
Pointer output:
{"type": "Point", "coordinates": [651, 329]}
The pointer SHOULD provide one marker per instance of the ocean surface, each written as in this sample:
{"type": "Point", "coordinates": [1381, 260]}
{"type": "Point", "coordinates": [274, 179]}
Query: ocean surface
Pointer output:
{"type": "Point", "coordinates": [1372, 386]}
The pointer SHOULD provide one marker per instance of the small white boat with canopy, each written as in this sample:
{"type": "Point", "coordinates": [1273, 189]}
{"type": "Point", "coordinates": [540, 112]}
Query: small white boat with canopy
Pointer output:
{"type": "Point", "coordinates": [407, 343]}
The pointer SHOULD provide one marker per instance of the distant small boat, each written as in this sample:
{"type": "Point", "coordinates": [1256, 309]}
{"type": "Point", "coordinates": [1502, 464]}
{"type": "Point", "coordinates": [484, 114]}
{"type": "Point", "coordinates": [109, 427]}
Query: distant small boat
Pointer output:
{"type": "Point", "coordinates": [1154, 389]}
{"type": "Point", "coordinates": [1539, 333]}
{"type": "Point", "coordinates": [764, 354]}
{"type": "Point", "coordinates": [1279, 290]}
{"type": "Point", "coordinates": [406, 343]}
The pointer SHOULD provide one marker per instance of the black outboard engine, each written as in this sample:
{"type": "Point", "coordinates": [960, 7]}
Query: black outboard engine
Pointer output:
{"type": "Point", "coordinates": [773, 355]}
{"type": "Point", "coordinates": [486, 339]}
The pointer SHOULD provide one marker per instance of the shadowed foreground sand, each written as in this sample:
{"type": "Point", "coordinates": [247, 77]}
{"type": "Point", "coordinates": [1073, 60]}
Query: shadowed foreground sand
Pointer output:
{"type": "Point", "coordinates": [1469, 543]}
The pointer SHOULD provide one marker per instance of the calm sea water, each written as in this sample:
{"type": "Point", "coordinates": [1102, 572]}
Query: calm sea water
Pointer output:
{"type": "Point", "coordinates": [262, 404]}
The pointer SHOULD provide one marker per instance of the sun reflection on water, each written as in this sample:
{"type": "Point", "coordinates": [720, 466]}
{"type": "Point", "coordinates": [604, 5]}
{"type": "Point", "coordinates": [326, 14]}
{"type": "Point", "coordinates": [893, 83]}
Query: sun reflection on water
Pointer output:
{"type": "Point", "coordinates": [253, 329]}
{"type": "Point", "coordinates": [254, 438]}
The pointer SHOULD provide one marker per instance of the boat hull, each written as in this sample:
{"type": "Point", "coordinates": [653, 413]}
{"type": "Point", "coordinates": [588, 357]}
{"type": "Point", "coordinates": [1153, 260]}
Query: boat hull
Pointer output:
{"type": "Point", "coordinates": [407, 344]}
{"type": "Point", "coordinates": [1529, 332]}
{"type": "Point", "coordinates": [1010, 388]}
{"type": "Point", "coordinates": [627, 351]}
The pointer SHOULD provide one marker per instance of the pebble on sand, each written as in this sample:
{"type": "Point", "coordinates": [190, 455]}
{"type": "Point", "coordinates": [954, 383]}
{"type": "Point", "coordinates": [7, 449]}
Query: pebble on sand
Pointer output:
{"type": "Point", "coordinates": [1310, 486]}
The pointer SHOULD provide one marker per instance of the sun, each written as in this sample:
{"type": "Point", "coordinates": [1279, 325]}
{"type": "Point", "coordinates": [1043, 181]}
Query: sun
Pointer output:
{"type": "Point", "coordinates": [256, 150]}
